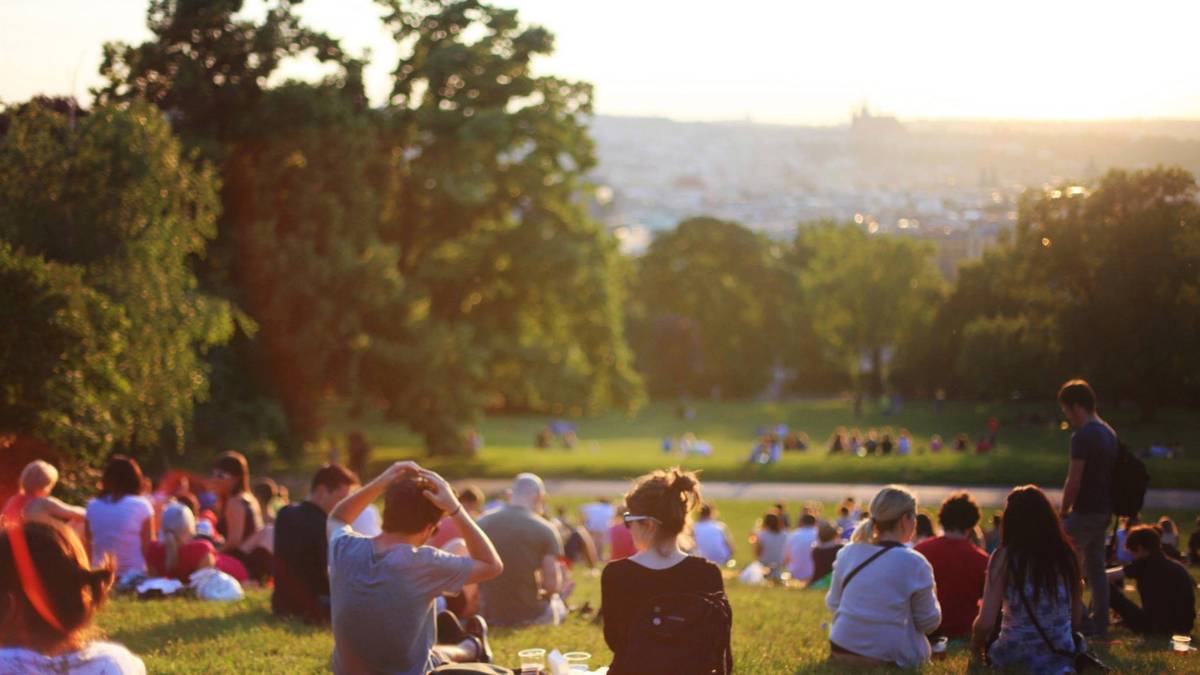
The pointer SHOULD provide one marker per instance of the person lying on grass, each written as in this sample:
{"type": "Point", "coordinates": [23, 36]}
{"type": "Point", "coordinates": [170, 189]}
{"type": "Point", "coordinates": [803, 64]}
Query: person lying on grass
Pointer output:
{"type": "Point", "coordinates": [383, 588]}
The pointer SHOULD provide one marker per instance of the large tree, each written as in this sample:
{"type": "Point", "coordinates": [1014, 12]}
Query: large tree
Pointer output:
{"type": "Point", "coordinates": [114, 214]}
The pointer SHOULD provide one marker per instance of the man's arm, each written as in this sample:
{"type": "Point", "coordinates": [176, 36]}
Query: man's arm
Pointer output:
{"type": "Point", "coordinates": [349, 508]}
{"type": "Point", "coordinates": [551, 581]}
{"type": "Point", "coordinates": [1071, 488]}
{"type": "Point", "coordinates": [487, 561]}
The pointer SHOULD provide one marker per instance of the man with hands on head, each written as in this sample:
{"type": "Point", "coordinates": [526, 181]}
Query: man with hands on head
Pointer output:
{"type": "Point", "coordinates": [383, 588]}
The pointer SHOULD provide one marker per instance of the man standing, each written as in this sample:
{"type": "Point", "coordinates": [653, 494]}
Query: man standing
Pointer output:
{"type": "Point", "coordinates": [301, 549]}
{"type": "Point", "coordinates": [1087, 494]}
{"type": "Point", "coordinates": [384, 587]}
{"type": "Point", "coordinates": [530, 548]}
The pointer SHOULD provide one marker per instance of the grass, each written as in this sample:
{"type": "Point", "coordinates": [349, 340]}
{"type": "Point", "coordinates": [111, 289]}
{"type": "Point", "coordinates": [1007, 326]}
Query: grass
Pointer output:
{"type": "Point", "coordinates": [776, 630]}
{"type": "Point", "coordinates": [619, 447]}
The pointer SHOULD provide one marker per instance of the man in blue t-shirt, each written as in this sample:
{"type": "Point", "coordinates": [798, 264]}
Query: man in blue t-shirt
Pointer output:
{"type": "Point", "coordinates": [1087, 495]}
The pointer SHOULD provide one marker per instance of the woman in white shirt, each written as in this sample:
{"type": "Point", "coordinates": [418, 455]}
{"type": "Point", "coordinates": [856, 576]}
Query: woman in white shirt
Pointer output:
{"type": "Point", "coordinates": [48, 597]}
{"type": "Point", "coordinates": [882, 595]}
{"type": "Point", "coordinates": [711, 537]}
{"type": "Point", "coordinates": [120, 522]}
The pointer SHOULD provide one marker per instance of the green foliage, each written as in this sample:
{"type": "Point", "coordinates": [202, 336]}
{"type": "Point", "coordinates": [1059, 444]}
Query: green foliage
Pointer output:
{"type": "Point", "coordinates": [112, 195]}
{"type": "Point", "coordinates": [710, 301]}
{"type": "Point", "coordinates": [866, 295]}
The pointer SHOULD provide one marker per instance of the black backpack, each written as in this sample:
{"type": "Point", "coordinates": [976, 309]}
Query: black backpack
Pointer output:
{"type": "Point", "coordinates": [684, 633]}
{"type": "Point", "coordinates": [1129, 482]}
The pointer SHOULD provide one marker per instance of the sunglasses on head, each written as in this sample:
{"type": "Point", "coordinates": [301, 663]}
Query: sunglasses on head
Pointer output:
{"type": "Point", "coordinates": [630, 519]}
{"type": "Point", "coordinates": [220, 475]}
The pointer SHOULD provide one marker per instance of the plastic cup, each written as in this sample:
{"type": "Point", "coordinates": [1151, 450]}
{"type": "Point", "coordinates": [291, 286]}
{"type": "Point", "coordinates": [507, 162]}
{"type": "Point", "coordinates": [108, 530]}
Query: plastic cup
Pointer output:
{"type": "Point", "coordinates": [1181, 643]}
{"type": "Point", "coordinates": [533, 661]}
{"type": "Point", "coordinates": [577, 662]}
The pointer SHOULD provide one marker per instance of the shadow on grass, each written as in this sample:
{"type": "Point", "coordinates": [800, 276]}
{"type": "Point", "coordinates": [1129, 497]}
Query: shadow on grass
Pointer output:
{"type": "Point", "coordinates": [215, 626]}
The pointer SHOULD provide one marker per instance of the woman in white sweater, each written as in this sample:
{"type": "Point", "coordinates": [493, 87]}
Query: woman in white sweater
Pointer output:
{"type": "Point", "coordinates": [882, 595]}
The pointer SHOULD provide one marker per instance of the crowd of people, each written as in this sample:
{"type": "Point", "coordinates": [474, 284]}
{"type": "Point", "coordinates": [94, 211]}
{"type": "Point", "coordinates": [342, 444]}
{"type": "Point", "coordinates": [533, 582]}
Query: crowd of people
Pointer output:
{"type": "Point", "coordinates": [419, 585]}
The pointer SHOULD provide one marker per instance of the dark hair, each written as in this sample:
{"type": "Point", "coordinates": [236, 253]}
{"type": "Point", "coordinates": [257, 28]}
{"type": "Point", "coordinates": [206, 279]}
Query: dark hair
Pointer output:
{"type": "Point", "coordinates": [471, 494]}
{"type": "Point", "coordinates": [405, 508]}
{"type": "Point", "coordinates": [73, 589]}
{"type": "Point", "coordinates": [122, 476]}
{"type": "Point", "coordinates": [333, 476]}
{"type": "Point", "coordinates": [668, 496]}
{"type": "Point", "coordinates": [234, 464]}
{"type": "Point", "coordinates": [808, 519]}
{"type": "Point", "coordinates": [924, 525]}
{"type": "Point", "coordinates": [265, 490]}
{"type": "Point", "coordinates": [1145, 537]}
{"type": "Point", "coordinates": [705, 511]}
{"type": "Point", "coordinates": [1167, 526]}
{"type": "Point", "coordinates": [959, 512]}
{"type": "Point", "coordinates": [1077, 392]}
{"type": "Point", "coordinates": [1037, 547]}
{"type": "Point", "coordinates": [189, 500]}
{"type": "Point", "coordinates": [771, 522]}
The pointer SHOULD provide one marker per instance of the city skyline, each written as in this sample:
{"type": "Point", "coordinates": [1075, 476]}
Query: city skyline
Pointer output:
{"type": "Point", "coordinates": [769, 62]}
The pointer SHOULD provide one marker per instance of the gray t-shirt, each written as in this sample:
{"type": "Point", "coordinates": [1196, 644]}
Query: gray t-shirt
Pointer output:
{"type": "Point", "coordinates": [383, 604]}
{"type": "Point", "coordinates": [523, 539]}
{"type": "Point", "coordinates": [1096, 444]}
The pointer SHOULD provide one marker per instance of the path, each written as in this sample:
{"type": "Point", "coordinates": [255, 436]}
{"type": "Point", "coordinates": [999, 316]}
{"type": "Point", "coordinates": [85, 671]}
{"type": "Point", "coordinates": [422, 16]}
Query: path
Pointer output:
{"type": "Point", "coordinates": [987, 496]}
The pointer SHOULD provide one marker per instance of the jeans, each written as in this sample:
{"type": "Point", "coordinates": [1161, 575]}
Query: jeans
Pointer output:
{"type": "Point", "coordinates": [1088, 531]}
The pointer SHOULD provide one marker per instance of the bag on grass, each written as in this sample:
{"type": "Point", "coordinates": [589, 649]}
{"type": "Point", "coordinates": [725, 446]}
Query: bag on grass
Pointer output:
{"type": "Point", "coordinates": [213, 584]}
{"type": "Point", "coordinates": [755, 574]}
{"type": "Point", "coordinates": [682, 633]}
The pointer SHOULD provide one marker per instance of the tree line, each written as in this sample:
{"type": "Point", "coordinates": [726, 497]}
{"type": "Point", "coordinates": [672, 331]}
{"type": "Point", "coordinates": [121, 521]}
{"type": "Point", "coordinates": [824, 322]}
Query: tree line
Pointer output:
{"type": "Point", "coordinates": [207, 259]}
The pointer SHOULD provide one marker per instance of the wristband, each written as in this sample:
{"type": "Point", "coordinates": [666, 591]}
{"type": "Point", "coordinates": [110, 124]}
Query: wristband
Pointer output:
{"type": "Point", "coordinates": [455, 511]}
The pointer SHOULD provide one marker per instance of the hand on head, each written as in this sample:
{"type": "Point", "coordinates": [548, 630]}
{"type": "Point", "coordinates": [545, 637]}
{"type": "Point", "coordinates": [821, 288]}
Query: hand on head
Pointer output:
{"type": "Point", "coordinates": [439, 492]}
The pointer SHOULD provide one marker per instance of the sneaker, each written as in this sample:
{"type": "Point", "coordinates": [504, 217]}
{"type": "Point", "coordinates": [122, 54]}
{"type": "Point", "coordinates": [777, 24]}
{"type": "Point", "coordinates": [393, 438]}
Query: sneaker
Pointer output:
{"type": "Point", "coordinates": [477, 629]}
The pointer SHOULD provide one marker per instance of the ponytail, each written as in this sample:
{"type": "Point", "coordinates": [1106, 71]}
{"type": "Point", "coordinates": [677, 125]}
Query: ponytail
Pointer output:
{"type": "Point", "coordinates": [668, 496]}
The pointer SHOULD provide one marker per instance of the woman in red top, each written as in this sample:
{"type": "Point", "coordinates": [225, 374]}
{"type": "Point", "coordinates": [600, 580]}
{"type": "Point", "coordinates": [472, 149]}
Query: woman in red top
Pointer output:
{"type": "Point", "coordinates": [179, 553]}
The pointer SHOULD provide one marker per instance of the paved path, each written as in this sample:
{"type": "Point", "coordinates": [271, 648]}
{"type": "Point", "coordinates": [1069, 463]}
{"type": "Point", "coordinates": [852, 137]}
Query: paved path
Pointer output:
{"type": "Point", "coordinates": [989, 496]}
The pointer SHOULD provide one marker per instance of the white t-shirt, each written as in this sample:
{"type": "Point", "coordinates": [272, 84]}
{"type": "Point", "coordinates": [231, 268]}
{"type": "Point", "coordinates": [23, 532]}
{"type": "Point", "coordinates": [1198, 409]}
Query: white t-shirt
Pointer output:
{"type": "Point", "coordinates": [799, 544]}
{"type": "Point", "coordinates": [98, 658]}
{"type": "Point", "coordinates": [710, 541]}
{"type": "Point", "coordinates": [116, 528]}
{"type": "Point", "coordinates": [368, 523]}
{"type": "Point", "coordinates": [597, 516]}
{"type": "Point", "coordinates": [888, 608]}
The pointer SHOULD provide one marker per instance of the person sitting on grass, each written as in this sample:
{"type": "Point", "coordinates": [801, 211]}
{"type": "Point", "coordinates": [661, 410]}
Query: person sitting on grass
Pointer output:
{"type": "Point", "coordinates": [658, 507]}
{"type": "Point", "coordinates": [800, 546]}
{"type": "Point", "coordinates": [49, 595]}
{"type": "Point", "coordinates": [924, 529]}
{"type": "Point", "coordinates": [530, 547]}
{"type": "Point", "coordinates": [1170, 538]}
{"type": "Point", "coordinates": [1167, 590]}
{"type": "Point", "coordinates": [179, 553]}
{"type": "Point", "coordinates": [713, 542]}
{"type": "Point", "coordinates": [959, 567]}
{"type": "Point", "coordinates": [471, 497]}
{"type": "Point", "coordinates": [239, 517]}
{"type": "Point", "coordinates": [770, 544]}
{"type": "Point", "coordinates": [38, 479]}
{"type": "Point", "coordinates": [824, 553]}
{"type": "Point", "coordinates": [882, 593]}
{"type": "Point", "coordinates": [1034, 578]}
{"type": "Point", "coordinates": [300, 564]}
{"type": "Point", "coordinates": [1194, 544]}
{"type": "Point", "coordinates": [120, 521]}
{"type": "Point", "coordinates": [384, 588]}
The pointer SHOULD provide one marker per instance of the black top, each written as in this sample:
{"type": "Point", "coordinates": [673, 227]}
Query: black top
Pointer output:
{"type": "Point", "coordinates": [1168, 595]}
{"type": "Point", "coordinates": [1096, 444]}
{"type": "Point", "coordinates": [823, 557]}
{"type": "Point", "coordinates": [300, 565]}
{"type": "Point", "coordinates": [1194, 548]}
{"type": "Point", "coordinates": [626, 588]}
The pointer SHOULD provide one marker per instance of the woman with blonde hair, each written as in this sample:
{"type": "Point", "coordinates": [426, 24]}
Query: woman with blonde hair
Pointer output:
{"type": "Point", "coordinates": [882, 594]}
{"type": "Point", "coordinates": [657, 575]}
{"type": "Point", "coordinates": [179, 553]}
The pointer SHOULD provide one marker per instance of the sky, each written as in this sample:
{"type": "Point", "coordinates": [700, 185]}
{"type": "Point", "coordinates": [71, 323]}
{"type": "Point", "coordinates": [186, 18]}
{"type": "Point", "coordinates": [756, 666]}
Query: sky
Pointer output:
{"type": "Point", "coordinates": [776, 61]}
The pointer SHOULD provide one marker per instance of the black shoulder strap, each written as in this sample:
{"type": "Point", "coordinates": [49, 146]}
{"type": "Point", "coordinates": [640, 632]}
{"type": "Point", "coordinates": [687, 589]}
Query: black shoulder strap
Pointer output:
{"type": "Point", "coordinates": [887, 546]}
{"type": "Point", "coordinates": [1038, 626]}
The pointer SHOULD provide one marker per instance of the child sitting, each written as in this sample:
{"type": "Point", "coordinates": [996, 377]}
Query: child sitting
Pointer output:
{"type": "Point", "coordinates": [38, 479]}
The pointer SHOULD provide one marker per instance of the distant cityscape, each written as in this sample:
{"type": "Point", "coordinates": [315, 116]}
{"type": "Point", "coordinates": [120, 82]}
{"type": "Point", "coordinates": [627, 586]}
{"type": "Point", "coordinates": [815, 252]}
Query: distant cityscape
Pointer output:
{"type": "Point", "coordinates": [954, 183]}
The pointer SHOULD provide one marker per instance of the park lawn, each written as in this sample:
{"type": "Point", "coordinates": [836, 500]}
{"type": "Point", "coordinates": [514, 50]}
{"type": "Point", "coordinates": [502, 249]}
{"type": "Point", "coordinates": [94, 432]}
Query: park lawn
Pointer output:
{"type": "Point", "coordinates": [776, 630]}
{"type": "Point", "coordinates": [618, 447]}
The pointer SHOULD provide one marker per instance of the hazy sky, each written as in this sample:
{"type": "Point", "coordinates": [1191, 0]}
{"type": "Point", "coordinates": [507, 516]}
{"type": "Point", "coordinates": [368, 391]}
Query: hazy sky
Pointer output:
{"type": "Point", "coordinates": [792, 61]}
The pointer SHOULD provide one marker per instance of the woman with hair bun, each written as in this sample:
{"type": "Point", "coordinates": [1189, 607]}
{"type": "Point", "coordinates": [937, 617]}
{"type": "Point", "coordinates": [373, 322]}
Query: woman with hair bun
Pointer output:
{"type": "Point", "coordinates": [657, 510]}
{"type": "Point", "coordinates": [882, 594]}
{"type": "Point", "coordinates": [49, 594]}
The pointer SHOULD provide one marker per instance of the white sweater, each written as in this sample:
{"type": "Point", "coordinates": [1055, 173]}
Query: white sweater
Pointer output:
{"type": "Point", "coordinates": [889, 606]}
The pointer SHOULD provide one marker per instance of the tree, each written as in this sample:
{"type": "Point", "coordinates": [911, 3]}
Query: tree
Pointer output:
{"type": "Point", "coordinates": [112, 196]}
{"type": "Point", "coordinates": [711, 315]}
{"type": "Point", "coordinates": [867, 295]}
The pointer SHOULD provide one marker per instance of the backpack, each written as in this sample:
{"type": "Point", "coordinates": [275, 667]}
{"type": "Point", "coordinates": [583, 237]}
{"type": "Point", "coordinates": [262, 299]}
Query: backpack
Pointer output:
{"type": "Point", "coordinates": [1129, 482]}
{"type": "Point", "coordinates": [685, 633]}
